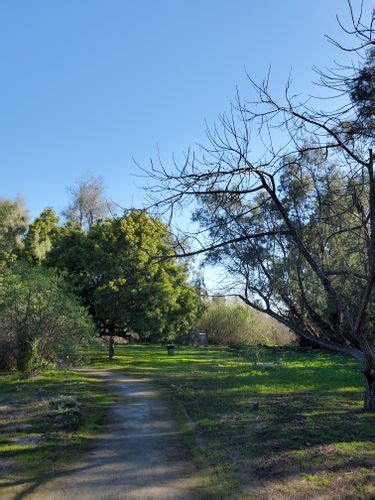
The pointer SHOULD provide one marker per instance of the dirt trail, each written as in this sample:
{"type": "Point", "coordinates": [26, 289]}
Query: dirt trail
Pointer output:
{"type": "Point", "coordinates": [139, 455]}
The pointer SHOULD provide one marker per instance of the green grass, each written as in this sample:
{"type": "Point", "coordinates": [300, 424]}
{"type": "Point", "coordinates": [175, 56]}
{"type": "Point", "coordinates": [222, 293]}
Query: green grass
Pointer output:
{"type": "Point", "coordinates": [291, 425]}
{"type": "Point", "coordinates": [32, 446]}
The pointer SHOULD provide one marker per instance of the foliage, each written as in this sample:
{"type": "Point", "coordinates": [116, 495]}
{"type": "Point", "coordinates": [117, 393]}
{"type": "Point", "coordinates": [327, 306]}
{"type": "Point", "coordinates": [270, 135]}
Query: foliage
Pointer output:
{"type": "Point", "coordinates": [121, 269]}
{"type": "Point", "coordinates": [289, 211]}
{"type": "Point", "coordinates": [236, 324]}
{"type": "Point", "coordinates": [13, 225]}
{"type": "Point", "coordinates": [275, 276]}
{"type": "Point", "coordinates": [41, 321]}
{"type": "Point", "coordinates": [38, 240]}
{"type": "Point", "coordinates": [231, 324]}
{"type": "Point", "coordinates": [362, 92]}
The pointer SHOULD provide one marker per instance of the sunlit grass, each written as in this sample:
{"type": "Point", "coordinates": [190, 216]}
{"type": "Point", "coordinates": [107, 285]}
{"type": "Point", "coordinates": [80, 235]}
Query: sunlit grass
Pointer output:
{"type": "Point", "coordinates": [290, 423]}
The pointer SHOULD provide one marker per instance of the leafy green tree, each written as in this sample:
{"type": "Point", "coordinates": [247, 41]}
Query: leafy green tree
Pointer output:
{"type": "Point", "coordinates": [121, 268]}
{"type": "Point", "coordinates": [362, 93]}
{"type": "Point", "coordinates": [41, 321]}
{"type": "Point", "coordinates": [38, 240]}
{"type": "Point", "coordinates": [13, 225]}
{"type": "Point", "coordinates": [71, 251]}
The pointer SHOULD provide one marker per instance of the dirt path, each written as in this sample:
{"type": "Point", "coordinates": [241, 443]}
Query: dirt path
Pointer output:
{"type": "Point", "coordinates": [138, 456]}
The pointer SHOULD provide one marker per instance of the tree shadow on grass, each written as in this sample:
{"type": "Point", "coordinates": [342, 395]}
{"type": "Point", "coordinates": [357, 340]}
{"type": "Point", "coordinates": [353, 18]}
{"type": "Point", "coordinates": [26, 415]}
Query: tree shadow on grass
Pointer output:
{"type": "Point", "coordinates": [300, 416]}
{"type": "Point", "coordinates": [139, 455]}
{"type": "Point", "coordinates": [32, 438]}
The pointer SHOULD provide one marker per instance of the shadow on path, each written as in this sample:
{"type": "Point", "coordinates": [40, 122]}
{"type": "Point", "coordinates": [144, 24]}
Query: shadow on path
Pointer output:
{"type": "Point", "coordinates": [138, 455]}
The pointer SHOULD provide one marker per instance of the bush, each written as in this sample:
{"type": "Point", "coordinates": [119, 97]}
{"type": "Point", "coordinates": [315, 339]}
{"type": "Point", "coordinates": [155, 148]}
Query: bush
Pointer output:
{"type": "Point", "coordinates": [41, 321]}
{"type": "Point", "coordinates": [235, 324]}
{"type": "Point", "coordinates": [8, 355]}
{"type": "Point", "coordinates": [65, 413]}
{"type": "Point", "coordinates": [275, 332]}
{"type": "Point", "coordinates": [230, 324]}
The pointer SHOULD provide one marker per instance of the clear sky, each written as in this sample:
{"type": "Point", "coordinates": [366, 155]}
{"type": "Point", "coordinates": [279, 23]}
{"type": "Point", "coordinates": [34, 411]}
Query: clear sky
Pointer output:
{"type": "Point", "coordinates": [87, 84]}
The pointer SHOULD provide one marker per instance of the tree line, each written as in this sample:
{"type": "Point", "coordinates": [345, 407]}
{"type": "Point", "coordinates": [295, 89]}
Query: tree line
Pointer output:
{"type": "Point", "coordinates": [96, 273]}
{"type": "Point", "coordinates": [285, 197]}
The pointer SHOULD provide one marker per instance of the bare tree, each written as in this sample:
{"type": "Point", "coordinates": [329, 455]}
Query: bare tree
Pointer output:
{"type": "Point", "coordinates": [88, 203]}
{"type": "Point", "coordinates": [294, 225]}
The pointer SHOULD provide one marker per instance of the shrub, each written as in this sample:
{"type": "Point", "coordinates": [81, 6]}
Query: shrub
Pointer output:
{"type": "Point", "coordinates": [230, 324]}
{"type": "Point", "coordinates": [275, 332]}
{"type": "Point", "coordinates": [41, 321]}
{"type": "Point", "coordinates": [236, 324]}
{"type": "Point", "coordinates": [8, 356]}
{"type": "Point", "coordinates": [65, 413]}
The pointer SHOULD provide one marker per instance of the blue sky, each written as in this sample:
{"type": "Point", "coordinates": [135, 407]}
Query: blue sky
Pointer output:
{"type": "Point", "coordinates": [86, 84]}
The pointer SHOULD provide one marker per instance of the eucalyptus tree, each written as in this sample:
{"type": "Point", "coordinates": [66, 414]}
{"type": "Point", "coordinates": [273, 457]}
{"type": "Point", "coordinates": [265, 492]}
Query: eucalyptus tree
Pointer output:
{"type": "Point", "coordinates": [286, 202]}
{"type": "Point", "coordinates": [14, 220]}
{"type": "Point", "coordinates": [88, 202]}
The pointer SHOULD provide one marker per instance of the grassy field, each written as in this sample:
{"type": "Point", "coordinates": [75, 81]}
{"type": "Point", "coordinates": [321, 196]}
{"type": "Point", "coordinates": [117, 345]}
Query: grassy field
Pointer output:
{"type": "Point", "coordinates": [292, 425]}
{"type": "Point", "coordinates": [46, 422]}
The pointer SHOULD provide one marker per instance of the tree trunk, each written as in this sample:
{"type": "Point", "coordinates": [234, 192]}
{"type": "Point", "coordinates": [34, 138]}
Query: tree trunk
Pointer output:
{"type": "Point", "coordinates": [24, 351]}
{"type": "Point", "coordinates": [111, 348]}
{"type": "Point", "coordinates": [24, 355]}
{"type": "Point", "coordinates": [306, 343]}
{"type": "Point", "coordinates": [370, 391]}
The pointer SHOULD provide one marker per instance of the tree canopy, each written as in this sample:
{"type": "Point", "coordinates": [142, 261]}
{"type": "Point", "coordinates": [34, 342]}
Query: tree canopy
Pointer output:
{"type": "Point", "coordinates": [120, 269]}
{"type": "Point", "coordinates": [14, 220]}
{"type": "Point", "coordinates": [38, 240]}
